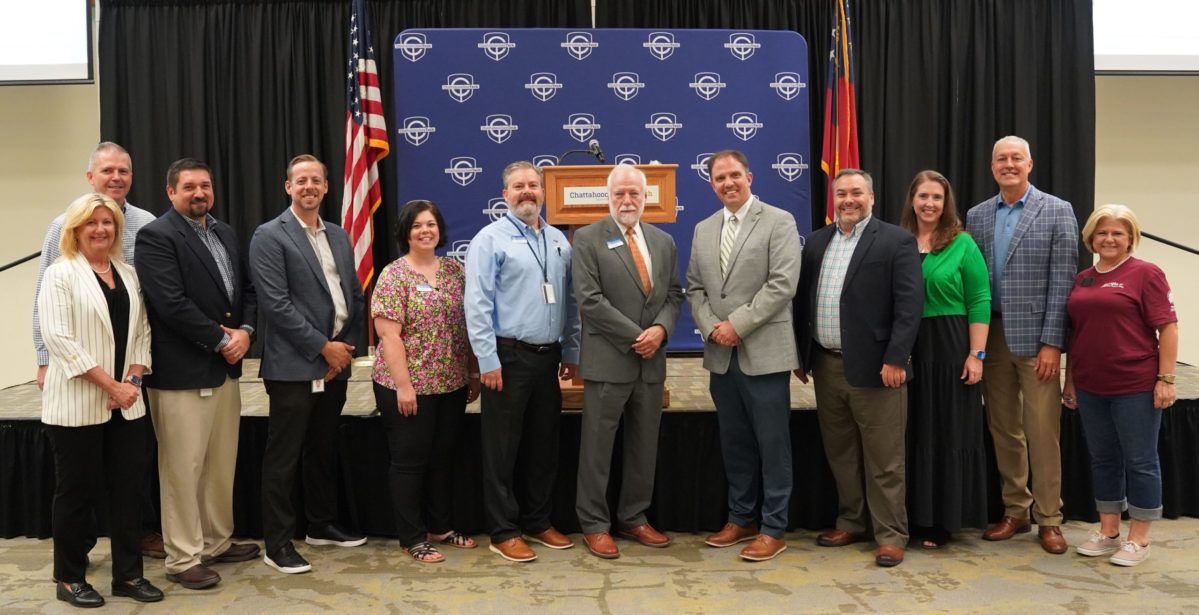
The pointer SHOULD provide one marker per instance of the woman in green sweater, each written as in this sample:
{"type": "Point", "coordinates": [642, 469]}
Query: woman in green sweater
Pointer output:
{"type": "Point", "coordinates": [946, 459]}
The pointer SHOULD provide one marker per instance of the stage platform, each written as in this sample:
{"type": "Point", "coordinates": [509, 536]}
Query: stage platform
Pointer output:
{"type": "Point", "coordinates": [690, 487]}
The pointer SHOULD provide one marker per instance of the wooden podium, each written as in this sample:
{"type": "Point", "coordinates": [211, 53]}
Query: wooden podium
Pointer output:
{"type": "Point", "coordinates": [576, 196]}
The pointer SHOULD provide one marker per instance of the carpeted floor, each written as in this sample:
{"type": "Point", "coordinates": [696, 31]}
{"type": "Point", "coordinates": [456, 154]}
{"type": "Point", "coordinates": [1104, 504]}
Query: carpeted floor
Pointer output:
{"type": "Point", "coordinates": [967, 576]}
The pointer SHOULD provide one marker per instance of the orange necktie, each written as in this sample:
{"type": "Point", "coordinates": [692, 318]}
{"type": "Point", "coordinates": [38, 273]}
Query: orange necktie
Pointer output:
{"type": "Point", "coordinates": [638, 261]}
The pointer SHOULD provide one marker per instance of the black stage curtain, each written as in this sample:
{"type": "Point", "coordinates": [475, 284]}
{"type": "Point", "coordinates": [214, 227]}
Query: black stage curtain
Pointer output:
{"type": "Point", "coordinates": [689, 494]}
{"type": "Point", "coordinates": [245, 85]}
{"type": "Point", "coordinates": [938, 82]}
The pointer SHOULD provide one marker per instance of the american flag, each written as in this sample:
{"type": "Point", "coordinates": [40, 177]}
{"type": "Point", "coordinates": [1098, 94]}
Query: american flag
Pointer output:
{"type": "Point", "coordinates": [840, 107]}
{"type": "Point", "coordinates": [366, 144]}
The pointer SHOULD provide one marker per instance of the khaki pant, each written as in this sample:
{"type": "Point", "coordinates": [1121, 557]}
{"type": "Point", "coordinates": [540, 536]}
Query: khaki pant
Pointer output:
{"type": "Point", "coordinates": [863, 433]}
{"type": "Point", "coordinates": [197, 454]}
{"type": "Point", "coordinates": [1024, 415]}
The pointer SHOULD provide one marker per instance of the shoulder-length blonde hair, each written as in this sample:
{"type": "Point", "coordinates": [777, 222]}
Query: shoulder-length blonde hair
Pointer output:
{"type": "Point", "coordinates": [79, 212]}
{"type": "Point", "coordinates": [1116, 212]}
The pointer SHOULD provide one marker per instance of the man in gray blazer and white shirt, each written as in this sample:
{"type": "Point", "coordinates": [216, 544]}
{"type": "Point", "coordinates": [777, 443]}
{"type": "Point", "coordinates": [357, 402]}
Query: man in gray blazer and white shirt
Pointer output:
{"type": "Point", "coordinates": [312, 315]}
{"type": "Point", "coordinates": [742, 276]}
{"type": "Point", "coordinates": [626, 280]}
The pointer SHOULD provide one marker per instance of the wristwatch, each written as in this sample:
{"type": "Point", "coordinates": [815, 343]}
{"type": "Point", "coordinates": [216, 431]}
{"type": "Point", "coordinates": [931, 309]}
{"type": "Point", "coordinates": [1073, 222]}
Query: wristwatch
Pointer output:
{"type": "Point", "coordinates": [135, 380]}
{"type": "Point", "coordinates": [978, 354]}
{"type": "Point", "coordinates": [1166, 378]}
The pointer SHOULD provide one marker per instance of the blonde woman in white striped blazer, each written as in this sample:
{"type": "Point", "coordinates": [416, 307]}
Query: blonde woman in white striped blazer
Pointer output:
{"type": "Point", "coordinates": [95, 328]}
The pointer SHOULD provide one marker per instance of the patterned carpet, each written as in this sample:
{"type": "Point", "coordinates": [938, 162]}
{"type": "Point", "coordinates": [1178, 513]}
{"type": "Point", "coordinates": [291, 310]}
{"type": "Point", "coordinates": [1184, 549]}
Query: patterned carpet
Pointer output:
{"type": "Point", "coordinates": [967, 576]}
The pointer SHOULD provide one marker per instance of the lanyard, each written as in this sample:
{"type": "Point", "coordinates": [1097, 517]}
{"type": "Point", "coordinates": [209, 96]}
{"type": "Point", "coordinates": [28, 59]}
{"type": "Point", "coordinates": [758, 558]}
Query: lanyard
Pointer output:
{"type": "Point", "coordinates": [544, 251]}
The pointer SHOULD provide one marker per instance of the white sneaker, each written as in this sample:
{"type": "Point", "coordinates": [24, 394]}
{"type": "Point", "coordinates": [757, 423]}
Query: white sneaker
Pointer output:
{"type": "Point", "coordinates": [1130, 554]}
{"type": "Point", "coordinates": [1098, 544]}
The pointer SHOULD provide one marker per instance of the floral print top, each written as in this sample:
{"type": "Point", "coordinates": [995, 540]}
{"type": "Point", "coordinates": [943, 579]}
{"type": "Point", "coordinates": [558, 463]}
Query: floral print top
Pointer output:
{"type": "Point", "coordinates": [434, 325]}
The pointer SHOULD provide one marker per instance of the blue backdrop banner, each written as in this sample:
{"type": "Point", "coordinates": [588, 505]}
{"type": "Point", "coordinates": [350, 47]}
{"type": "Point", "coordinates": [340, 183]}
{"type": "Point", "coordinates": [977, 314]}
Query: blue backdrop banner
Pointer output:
{"type": "Point", "coordinates": [469, 101]}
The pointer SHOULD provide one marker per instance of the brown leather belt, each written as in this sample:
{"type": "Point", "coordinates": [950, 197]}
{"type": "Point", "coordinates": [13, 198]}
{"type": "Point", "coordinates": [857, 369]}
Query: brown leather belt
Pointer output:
{"type": "Point", "coordinates": [537, 348]}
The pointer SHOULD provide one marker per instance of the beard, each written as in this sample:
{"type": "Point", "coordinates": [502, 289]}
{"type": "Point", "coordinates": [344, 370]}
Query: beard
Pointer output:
{"type": "Point", "coordinates": [526, 211]}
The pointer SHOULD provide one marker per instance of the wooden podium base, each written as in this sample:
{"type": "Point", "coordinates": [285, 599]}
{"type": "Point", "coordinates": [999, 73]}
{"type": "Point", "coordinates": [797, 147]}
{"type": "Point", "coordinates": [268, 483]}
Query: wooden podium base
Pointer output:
{"type": "Point", "coordinates": [572, 394]}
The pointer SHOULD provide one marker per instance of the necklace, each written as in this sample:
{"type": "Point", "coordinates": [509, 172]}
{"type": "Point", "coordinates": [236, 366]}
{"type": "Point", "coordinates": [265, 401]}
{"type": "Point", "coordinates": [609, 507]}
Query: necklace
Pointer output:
{"type": "Point", "coordinates": [106, 269]}
{"type": "Point", "coordinates": [1114, 267]}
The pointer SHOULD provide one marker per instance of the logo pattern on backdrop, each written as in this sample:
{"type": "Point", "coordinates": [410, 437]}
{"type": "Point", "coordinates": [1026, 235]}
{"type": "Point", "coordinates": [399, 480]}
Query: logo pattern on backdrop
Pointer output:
{"type": "Point", "coordinates": [474, 100]}
{"type": "Point", "coordinates": [661, 45]}
{"type": "Point", "coordinates": [579, 45]}
{"type": "Point", "coordinates": [496, 45]}
{"type": "Point", "coordinates": [460, 86]}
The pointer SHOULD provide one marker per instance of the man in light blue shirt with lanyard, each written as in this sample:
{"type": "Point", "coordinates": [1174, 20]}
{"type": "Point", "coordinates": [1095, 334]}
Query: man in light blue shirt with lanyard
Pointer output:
{"type": "Point", "coordinates": [523, 324]}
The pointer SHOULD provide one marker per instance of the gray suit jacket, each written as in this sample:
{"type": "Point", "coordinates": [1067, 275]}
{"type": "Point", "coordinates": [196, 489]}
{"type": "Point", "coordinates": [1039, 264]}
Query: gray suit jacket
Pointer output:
{"type": "Point", "coordinates": [294, 302]}
{"type": "Point", "coordinates": [756, 295]}
{"type": "Point", "coordinates": [613, 304]}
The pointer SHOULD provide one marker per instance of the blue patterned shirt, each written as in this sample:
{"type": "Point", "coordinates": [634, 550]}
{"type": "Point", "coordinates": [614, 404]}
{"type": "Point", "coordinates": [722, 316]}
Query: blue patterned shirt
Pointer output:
{"type": "Point", "coordinates": [832, 278]}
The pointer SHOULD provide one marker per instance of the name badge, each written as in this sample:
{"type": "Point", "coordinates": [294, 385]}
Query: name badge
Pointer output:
{"type": "Point", "coordinates": [615, 242]}
{"type": "Point", "coordinates": [520, 239]}
{"type": "Point", "coordinates": [318, 385]}
{"type": "Point", "coordinates": [424, 287]}
{"type": "Point", "coordinates": [205, 392]}
{"type": "Point", "coordinates": [547, 293]}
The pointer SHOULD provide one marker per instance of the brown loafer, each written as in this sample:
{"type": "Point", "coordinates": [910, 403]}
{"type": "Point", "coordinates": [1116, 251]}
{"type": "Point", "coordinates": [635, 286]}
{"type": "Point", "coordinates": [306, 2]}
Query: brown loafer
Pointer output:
{"type": "Point", "coordinates": [152, 546]}
{"type": "Point", "coordinates": [1006, 528]}
{"type": "Point", "coordinates": [196, 577]}
{"type": "Point", "coordinates": [235, 553]}
{"type": "Point", "coordinates": [1052, 539]}
{"type": "Point", "coordinates": [601, 545]}
{"type": "Point", "coordinates": [888, 556]}
{"type": "Point", "coordinates": [551, 538]}
{"type": "Point", "coordinates": [732, 534]}
{"type": "Point", "coordinates": [837, 538]}
{"type": "Point", "coordinates": [763, 548]}
{"type": "Point", "coordinates": [514, 550]}
{"type": "Point", "coordinates": [646, 535]}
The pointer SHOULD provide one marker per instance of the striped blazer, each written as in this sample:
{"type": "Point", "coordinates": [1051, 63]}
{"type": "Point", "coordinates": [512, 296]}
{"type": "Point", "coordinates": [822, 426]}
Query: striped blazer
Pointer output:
{"type": "Point", "coordinates": [78, 334]}
{"type": "Point", "coordinates": [1038, 272]}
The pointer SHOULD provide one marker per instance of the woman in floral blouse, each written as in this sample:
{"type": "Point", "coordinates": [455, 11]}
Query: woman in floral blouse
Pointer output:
{"type": "Point", "coordinates": [425, 374]}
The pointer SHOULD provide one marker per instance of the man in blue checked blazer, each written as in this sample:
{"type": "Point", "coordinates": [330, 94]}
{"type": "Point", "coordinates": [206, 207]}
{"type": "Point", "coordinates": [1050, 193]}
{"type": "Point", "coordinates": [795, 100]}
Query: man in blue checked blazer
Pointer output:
{"type": "Point", "coordinates": [1030, 241]}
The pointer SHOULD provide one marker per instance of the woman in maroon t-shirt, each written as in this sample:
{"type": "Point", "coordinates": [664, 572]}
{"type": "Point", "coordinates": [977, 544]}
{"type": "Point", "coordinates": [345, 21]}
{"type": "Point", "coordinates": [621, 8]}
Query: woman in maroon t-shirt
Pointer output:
{"type": "Point", "coordinates": [1120, 372]}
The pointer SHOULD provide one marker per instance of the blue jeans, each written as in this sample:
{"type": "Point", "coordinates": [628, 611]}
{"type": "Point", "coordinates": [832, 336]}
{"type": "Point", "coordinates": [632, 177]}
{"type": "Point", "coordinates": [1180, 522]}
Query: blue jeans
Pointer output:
{"type": "Point", "coordinates": [1121, 433]}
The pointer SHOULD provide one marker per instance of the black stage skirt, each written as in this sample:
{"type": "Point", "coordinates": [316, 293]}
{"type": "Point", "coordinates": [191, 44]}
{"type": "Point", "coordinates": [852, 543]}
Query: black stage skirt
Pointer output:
{"type": "Point", "coordinates": [946, 458]}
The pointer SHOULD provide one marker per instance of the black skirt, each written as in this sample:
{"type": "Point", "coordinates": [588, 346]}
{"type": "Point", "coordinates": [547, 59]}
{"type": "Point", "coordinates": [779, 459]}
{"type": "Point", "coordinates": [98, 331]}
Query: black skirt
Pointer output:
{"type": "Point", "coordinates": [946, 459]}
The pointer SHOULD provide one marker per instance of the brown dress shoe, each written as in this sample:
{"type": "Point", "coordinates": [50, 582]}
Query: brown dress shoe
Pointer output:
{"type": "Point", "coordinates": [837, 538]}
{"type": "Point", "coordinates": [763, 548]}
{"type": "Point", "coordinates": [646, 535]}
{"type": "Point", "coordinates": [514, 550]}
{"type": "Point", "coordinates": [888, 556]}
{"type": "Point", "coordinates": [152, 546]}
{"type": "Point", "coordinates": [196, 577]}
{"type": "Point", "coordinates": [732, 534]}
{"type": "Point", "coordinates": [235, 553]}
{"type": "Point", "coordinates": [551, 538]}
{"type": "Point", "coordinates": [1052, 539]}
{"type": "Point", "coordinates": [1006, 528]}
{"type": "Point", "coordinates": [601, 545]}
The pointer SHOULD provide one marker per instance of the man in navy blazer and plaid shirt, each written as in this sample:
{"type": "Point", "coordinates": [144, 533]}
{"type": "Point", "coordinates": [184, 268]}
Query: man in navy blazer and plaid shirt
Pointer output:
{"type": "Point", "coordinates": [1030, 241]}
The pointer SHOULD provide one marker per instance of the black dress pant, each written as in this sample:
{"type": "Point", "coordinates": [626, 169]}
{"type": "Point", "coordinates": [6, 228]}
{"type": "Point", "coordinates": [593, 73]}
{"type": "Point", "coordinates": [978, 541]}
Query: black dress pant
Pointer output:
{"type": "Point", "coordinates": [520, 443]}
{"type": "Point", "coordinates": [89, 463]}
{"type": "Point", "coordinates": [422, 447]}
{"type": "Point", "coordinates": [302, 424]}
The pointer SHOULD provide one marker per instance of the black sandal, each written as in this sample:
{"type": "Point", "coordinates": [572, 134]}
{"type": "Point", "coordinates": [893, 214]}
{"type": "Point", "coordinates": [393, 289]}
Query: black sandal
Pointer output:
{"type": "Point", "coordinates": [456, 539]}
{"type": "Point", "coordinates": [425, 553]}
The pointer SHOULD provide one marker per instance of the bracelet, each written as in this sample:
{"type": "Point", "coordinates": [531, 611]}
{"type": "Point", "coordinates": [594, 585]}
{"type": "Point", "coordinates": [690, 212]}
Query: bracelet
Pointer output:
{"type": "Point", "coordinates": [474, 375]}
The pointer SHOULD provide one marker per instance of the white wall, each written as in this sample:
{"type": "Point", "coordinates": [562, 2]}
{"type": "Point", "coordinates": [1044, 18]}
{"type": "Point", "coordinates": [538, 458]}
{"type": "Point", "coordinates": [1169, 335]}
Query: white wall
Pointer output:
{"type": "Point", "coordinates": [1147, 157]}
{"type": "Point", "coordinates": [46, 134]}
